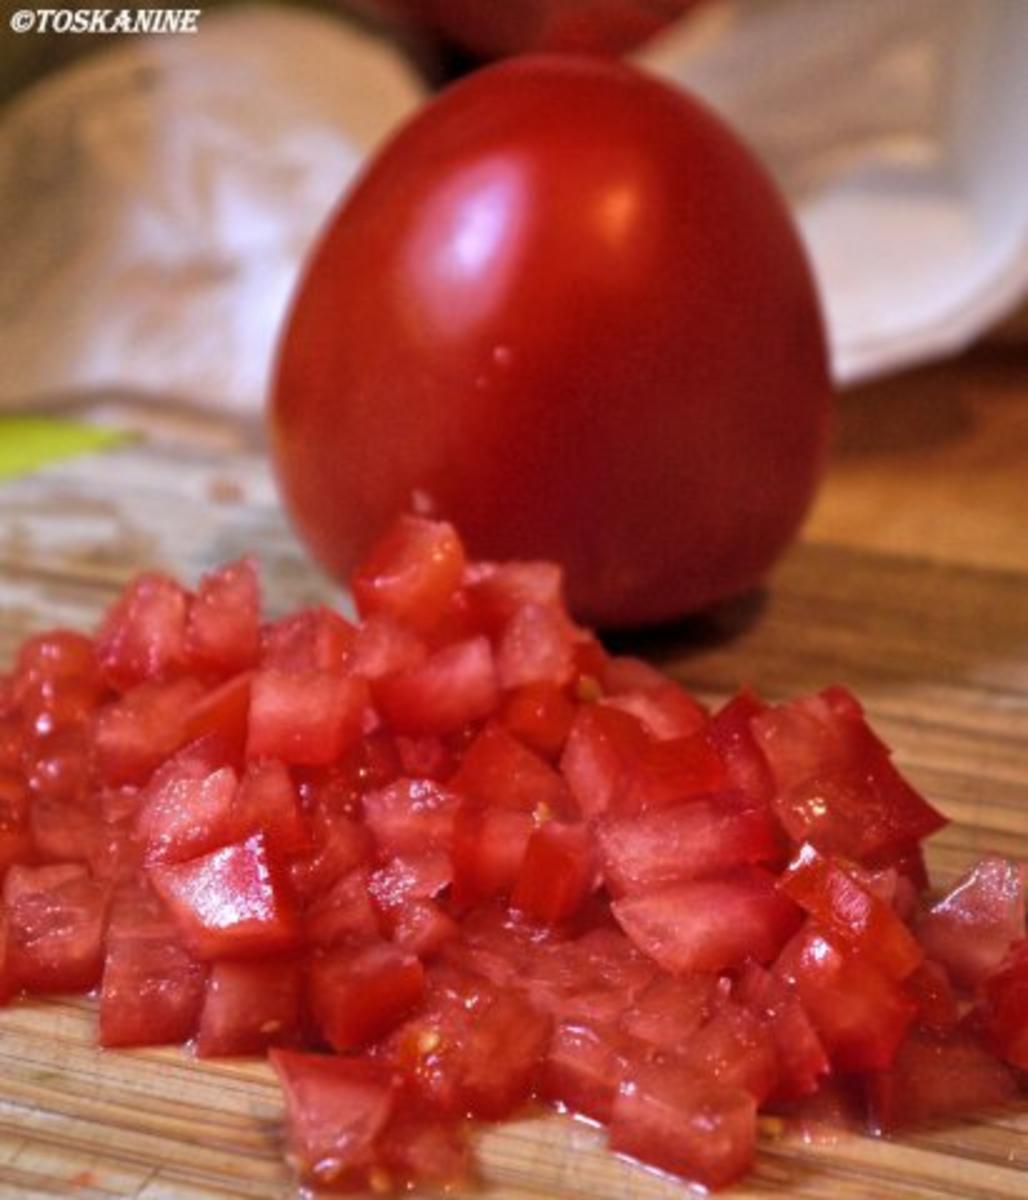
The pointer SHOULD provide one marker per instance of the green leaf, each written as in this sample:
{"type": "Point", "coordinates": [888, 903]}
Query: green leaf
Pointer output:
{"type": "Point", "coordinates": [27, 443]}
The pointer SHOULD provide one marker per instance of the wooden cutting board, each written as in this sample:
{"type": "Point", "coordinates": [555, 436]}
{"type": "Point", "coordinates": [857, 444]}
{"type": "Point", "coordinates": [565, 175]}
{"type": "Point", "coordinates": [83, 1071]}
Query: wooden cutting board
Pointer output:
{"type": "Point", "coordinates": [911, 585]}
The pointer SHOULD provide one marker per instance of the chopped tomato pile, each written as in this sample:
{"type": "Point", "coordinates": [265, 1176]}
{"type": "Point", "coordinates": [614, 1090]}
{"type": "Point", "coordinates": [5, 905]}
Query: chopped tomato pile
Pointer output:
{"type": "Point", "coordinates": [456, 856]}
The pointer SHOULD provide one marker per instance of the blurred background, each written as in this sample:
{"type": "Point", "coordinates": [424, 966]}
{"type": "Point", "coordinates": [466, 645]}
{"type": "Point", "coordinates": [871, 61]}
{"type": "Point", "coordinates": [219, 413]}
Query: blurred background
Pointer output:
{"type": "Point", "coordinates": [158, 194]}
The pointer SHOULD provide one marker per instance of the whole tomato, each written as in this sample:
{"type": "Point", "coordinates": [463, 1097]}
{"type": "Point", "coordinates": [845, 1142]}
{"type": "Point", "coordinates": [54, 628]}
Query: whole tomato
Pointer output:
{"type": "Point", "coordinates": [566, 309]}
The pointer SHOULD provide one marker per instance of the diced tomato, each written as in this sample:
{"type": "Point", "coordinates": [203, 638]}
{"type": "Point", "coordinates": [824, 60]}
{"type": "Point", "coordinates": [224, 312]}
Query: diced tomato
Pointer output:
{"type": "Point", "coordinates": [386, 647]}
{"type": "Point", "coordinates": [710, 924]}
{"type": "Point", "coordinates": [152, 987]}
{"type": "Point", "coordinates": [359, 996]}
{"type": "Point", "coordinates": [454, 686]}
{"type": "Point", "coordinates": [143, 636]}
{"type": "Point", "coordinates": [536, 646]}
{"type": "Point", "coordinates": [837, 787]}
{"type": "Point", "coordinates": [937, 1076]}
{"type": "Point", "coordinates": [556, 873]}
{"type": "Point", "coordinates": [135, 734]}
{"type": "Point", "coordinates": [57, 767]}
{"type": "Point", "coordinates": [421, 1149]}
{"type": "Point", "coordinates": [412, 573]}
{"type": "Point", "coordinates": [49, 658]}
{"type": "Point", "coordinates": [340, 845]}
{"type": "Point", "coordinates": [267, 802]}
{"type": "Point", "coordinates": [802, 1062]}
{"type": "Point", "coordinates": [701, 837]}
{"type": "Point", "coordinates": [669, 1117]}
{"type": "Point", "coordinates": [313, 639]}
{"type": "Point", "coordinates": [15, 840]}
{"type": "Point", "coordinates": [930, 989]}
{"type": "Point", "coordinates": [736, 1048]}
{"type": "Point", "coordinates": [1006, 1007]}
{"type": "Point", "coordinates": [667, 711]}
{"type": "Point", "coordinates": [249, 1006]}
{"type": "Point", "coordinates": [669, 1011]}
{"type": "Point", "coordinates": [489, 846]}
{"type": "Point", "coordinates": [471, 1048]}
{"type": "Point", "coordinates": [731, 735]}
{"type": "Point", "coordinates": [411, 816]}
{"type": "Point", "coordinates": [56, 918]}
{"type": "Point", "coordinates": [223, 626]}
{"type": "Point", "coordinates": [231, 903]}
{"type": "Point", "coordinates": [304, 717]}
{"type": "Point", "coordinates": [908, 863]}
{"type": "Point", "coordinates": [496, 591]}
{"type": "Point", "coordinates": [860, 1014]}
{"type": "Point", "coordinates": [12, 743]}
{"type": "Point", "coordinates": [224, 713]}
{"type": "Point", "coordinates": [500, 771]}
{"type": "Point", "coordinates": [852, 916]}
{"type": "Point", "coordinates": [540, 716]}
{"type": "Point", "coordinates": [602, 748]}
{"type": "Point", "coordinates": [416, 877]}
{"type": "Point", "coordinates": [186, 808]}
{"type": "Point", "coordinates": [336, 1109]}
{"type": "Point", "coordinates": [582, 1069]}
{"type": "Point", "coordinates": [427, 757]}
{"type": "Point", "coordinates": [974, 925]}
{"type": "Point", "coordinates": [669, 772]}
{"type": "Point", "coordinates": [344, 913]}
{"type": "Point", "coordinates": [65, 831]}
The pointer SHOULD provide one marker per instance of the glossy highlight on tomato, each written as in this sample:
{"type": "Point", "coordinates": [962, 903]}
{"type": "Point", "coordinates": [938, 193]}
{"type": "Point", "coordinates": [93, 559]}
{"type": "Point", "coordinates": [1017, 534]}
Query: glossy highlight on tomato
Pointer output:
{"type": "Point", "coordinates": [433, 888]}
{"type": "Point", "coordinates": [566, 309]}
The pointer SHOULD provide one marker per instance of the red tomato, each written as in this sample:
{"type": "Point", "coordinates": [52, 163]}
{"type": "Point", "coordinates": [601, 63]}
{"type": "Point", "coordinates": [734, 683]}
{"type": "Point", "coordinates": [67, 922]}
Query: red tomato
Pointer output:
{"type": "Point", "coordinates": [600, 350]}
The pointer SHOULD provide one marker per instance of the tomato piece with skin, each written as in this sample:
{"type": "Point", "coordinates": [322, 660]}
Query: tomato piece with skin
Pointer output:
{"type": "Point", "coordinates": [731, 735]}
{"type": "Point", "coordinates": [224, 713]}
{"type": "Point", "coordinates": [974, 925]}
{"type": "Point", "coordinates": [853, 916]}
{"type": "Point", "coordinates": [937, 1076]}
{"type": "Point", "coordinates": [143, 636]}
{"type": "Point", "coordinates": [267, 802]}
{"type": "Point", "coordinates": [701, 837]}
{"type": "Point", "coordinates": [860, 1014]}
{"type": "Point", "coordinates": [232, 903]}
{"type": "Point", "coordinates": [56, 916]}
{"type": "Point", "coordinates": [539, 715]}
{"type": "Point", "coordinates": [341, 843]}
{"type": "Point", "coordinates": [737, 1049]}
{"type": "Point", "coordinates": [582, 1069]}
{"type": "Point", "coordinates": [1006, 1007]}
{"type": "Point", "coordinates": [670, 1117]}
{"type": "Point", "coordinates": [536, 646]}
{"type": "Point", "coordinates": [249, 1006]}
{"type": "Point", "coordinates": [452, 687]}
{"type": "Point", "coordinates": [668, 772]}
{"type": "Point", "coordinates": [518, 415]}
{"type": "Point", "coordinates": [496, 591]}
{"type": "Point", "coordinates": [313, 639]}
{"type": "Point", "coordinates": [931, 990]}
{"type": "Point", "coordinates": [309, 718]}
{"type": "Point", "coordinates": [710, 924]}
{"type": "Point", "coordinates": [223, 625]}
{"type": "Point", "coordinates": [412, 573]}
{"type": "Point", "coordinates": [556, 873]}
{"type": "Point", "coordinates": [671, 1010]}
{"type": "Point", "coordinates": [152, 988]}
{"type": "Point", "coordinates": [499, 771]}
{"type": "Point", "coordinates": [384, 647]}
{"type": "Point", "coordinates": [666, 712]}
{"type": "Point", "coordinates": [359, 996]}
{"type": "Point", "coordinates": [343, 914]}
{"type": "Point", "coordinates": [336, 1109]}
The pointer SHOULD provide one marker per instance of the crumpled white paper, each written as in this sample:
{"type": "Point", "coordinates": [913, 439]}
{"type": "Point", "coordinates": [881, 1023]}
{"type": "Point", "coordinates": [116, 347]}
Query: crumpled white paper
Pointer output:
{"type": "Point", "coordinates": [157, 199]}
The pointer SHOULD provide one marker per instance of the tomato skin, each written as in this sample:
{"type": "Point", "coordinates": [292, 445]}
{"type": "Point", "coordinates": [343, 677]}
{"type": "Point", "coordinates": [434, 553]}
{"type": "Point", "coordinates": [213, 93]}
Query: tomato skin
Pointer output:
{"type": "Point", "coordinates": [502, 285]}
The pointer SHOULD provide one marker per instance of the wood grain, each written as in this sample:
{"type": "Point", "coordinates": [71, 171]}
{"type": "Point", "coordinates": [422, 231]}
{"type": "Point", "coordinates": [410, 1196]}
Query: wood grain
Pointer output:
{"type": "Point", "coordinates": [910, 584]}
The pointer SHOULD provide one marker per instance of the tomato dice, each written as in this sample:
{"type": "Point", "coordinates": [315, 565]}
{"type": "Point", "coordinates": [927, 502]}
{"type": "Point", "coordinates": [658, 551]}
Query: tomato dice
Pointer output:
{"type": "Point", "coordinates": [974, 925]}
{"type": "Point", "coordinates": [152, 988]}
{"type": "Point", "coordinates": [453, 687]}
{"type": "Point", "coordinates": [249, 1006]}
{"type": "Point", "coordinates": [701, 837]}
{"type": "Point", "coordinates": [230, 903]}
{"type": "Point", "coordinates": [357, 997]}
{"type": "Point", "coordinates": [710, 924]}
{"type": "Point", "coordinates": [672, 1118]}
{"type": "Point", "coordinates": [478, 860]}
